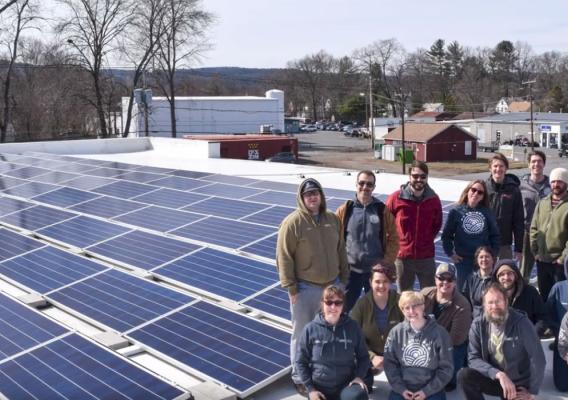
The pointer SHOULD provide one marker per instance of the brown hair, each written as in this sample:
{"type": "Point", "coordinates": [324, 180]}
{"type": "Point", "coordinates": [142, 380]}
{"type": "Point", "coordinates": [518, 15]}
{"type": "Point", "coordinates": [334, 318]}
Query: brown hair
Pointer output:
{"type": "Point", "coordinates": [499, 157]}
{"type": "Point", "coordinates": [367, 172]}
{"type": "Point", "coordinates": [332, 291]}
{"type": "Point", "coordinates": [385, 270]}
{"type": "Point", "coordinates": [419, 164]}
{"type": "Point", "coordinates": [496, 287]}
{"type": "Point", "coordinates": [463, 197]}
{"type": "Point", "coordinates": [486, 249]}
{"type": "Point", "coordinates": [536, 153]}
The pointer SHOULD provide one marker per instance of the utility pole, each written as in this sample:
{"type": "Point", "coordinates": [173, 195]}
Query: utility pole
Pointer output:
{"type": "Point", "coordinates": [372, 121]}
{"type": "Point", "coordinates": [403, 144]}
{"type": "Point", "coordinates": [530, 83]}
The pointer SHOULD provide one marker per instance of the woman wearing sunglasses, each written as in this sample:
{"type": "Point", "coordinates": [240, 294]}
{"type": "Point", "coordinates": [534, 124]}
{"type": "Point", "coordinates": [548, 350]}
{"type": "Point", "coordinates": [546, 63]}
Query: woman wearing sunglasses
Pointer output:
{"type": "Point", "coordinates": [332, 359]}
{"type": "Point", "coordinates": [470, 224]}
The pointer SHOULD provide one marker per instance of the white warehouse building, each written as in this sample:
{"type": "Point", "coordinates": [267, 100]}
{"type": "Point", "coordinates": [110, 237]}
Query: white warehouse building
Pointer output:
{"type": "Point", "coordinates": [207, 115]}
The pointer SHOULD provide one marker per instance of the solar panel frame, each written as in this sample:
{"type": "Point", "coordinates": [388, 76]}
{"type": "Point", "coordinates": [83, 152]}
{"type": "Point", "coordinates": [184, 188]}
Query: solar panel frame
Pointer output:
{"type": "Point", "coordinates": [222, 356]}
{"type": "Point", "coordinates": [272, 216]}
{"type": "Point", "coordinates": [279, 198]}
{"type": "Point", "coordinates": [263, 248]}
{"type": "Point", "coordinates": [179, 183]}
{"type": "Point", "coordinates": [87, 182]}
{"type": "Point", "coordinates": [35, 218]}
{"type": "Point", "coordinates": [140, 176]}
{"type": "Point", "coordinates": [26, 172]}
{"type": "Point", "coordinates": [232, 180]}
{"type": "Point", "coordinates": [118, 301]}
{"type": "Point", "coordinates": [159, 219]}
{"type": "Point", "coordinates": [124, 189]}
{"type": "Point", "coordinates": [14, 244]}
{"type": "Point", "coordinates": [228, 191]}
{"type": "Point", "coordinates": [30, 189]}
{"type": "Point", "coordinates": [56, 177]}
{"type": "Point", "coordinates": [7, 182]}
{"type": "Point", "coordinates": [227, 208]}
{"type": "Point", "coordinates": [107, 207]}
{"type": "Point", "coordinates": [65, 197]}
{"type": "Point", "coordinates": [105, 172]}
{"type": "Point", "coordinates": [170, 198]}
{"type": "Point", "coordinates": [273, 303]}
{"type": "Point", "coordinates": [9, 205]}
{"type": "Point", "coordinates": [189, 174]}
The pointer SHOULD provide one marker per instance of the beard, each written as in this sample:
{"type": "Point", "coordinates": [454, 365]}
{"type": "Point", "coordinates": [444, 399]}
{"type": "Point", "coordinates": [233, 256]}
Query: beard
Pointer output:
{"type": "Point", "coordinates": [497, 318]}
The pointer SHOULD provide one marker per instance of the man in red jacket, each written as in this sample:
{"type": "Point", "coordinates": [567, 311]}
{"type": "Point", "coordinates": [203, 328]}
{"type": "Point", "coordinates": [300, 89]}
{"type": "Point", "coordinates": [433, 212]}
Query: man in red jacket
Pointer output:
{"type": "Point", "coordinates": [418, 215]}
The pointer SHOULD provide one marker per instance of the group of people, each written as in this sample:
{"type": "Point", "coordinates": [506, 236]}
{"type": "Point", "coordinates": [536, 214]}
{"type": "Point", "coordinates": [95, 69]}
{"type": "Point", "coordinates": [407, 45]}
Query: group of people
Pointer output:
{"type": "Point", "coordinates": [474, 323]}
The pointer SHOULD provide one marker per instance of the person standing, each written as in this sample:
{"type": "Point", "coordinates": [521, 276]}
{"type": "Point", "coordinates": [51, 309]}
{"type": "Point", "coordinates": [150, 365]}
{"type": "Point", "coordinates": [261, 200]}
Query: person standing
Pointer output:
{"type": "Point", "coordinates": [418, 214]}
{"type": "Point", "coordinates": [549, 233]}
{"type": "Point", "coordinates": [534, 186]}
{"type": "Point", "coordinates": [418, 354]}
{"type": "Point", "coordinates": [470, 225]}
{"type": "Point", "coordinates": [369, 233]}
{"type": "Point", "coordinates": [505, 355]}
{"type": "Point", "coordinates": [506, 202]}
{"type": "Point", "coordinates": [310, 255]}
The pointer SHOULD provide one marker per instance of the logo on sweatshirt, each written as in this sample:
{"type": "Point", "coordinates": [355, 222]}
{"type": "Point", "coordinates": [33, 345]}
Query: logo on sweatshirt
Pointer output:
{"type": "Point", "coordinates": [473, 223]}
{"type": "Point", "coordinates": [416, 354]}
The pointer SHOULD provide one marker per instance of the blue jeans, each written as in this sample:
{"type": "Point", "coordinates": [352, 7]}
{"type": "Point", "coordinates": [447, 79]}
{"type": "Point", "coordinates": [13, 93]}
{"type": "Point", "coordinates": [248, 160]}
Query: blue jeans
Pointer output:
{"type": "Point", "coordinates": [357, 282]}
{"type": "Point", "coordinates": [465, 270]}
{"type": "Point", "coordinates": [559, 371]}
{"type": "Point", "coordinates": [436, 396]}
{"type": "Point", "coordinates": [460, 353]}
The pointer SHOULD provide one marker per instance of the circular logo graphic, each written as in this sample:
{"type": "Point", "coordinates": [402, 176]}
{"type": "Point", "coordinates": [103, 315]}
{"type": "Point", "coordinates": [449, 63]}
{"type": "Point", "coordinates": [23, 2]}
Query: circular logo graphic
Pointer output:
{"type": "Point", "coordinates": [416, 354]}
{"type": "Point", "coordinates": [374, 219]}
{"type": "Point", "coordinates": [473, 222]}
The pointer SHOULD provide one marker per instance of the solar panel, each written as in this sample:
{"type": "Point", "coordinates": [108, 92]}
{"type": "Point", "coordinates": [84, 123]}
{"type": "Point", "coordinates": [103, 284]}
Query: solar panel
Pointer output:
{"type": "Point", "coordinates": [339, 193]}
{"type": "Point", "coordinates": [14, 244]}
{"type": "Point", "coordinates": [55, 177]}
{"type": "Point", "coordinates": [142, 250]}
{"type": "Point", "coordinates": [221, 345]}
{"type": "Point", "coordinates": [159, 218]}
{"type": "Point", "coordinates": [7, 182]}
{"type": "Point", "coordinates": [280, 186]}
{"type": "Point", "coordinates": [31, 189]}
{"type": "Point", "coordinates": [36, 217]}
{"type": "Point", "coordinates": [105, 172]}
{"type": "Point", "coordinates": [233, 180]}
{"type": "Point", "coordinates": [22, 328]}
{"type": "Point", "coordinates": [51, 164]}
{"type": "Point", "coordinates": [334, 203]}
{"type": "Point", "coordinates": [440, 255]}
{"type": "Point", "coordinates": [74, 168]}
{"type": "Point", "coordinates": [230, 191]}
{"type": "Point", "coordinates": [272, 216]}
{"type": "Point", "coordinates": [180, 183]}
{"type": "Point", "coordinates": [8, 205]}
{"type": "Point", "coordinates": [170, 198]}
{"type": "Point", "coordinates": [6, 166]}
{"type": "Point", "coordinates": [88, 182]}
{"type": "Point", "coordinates": [27, 172]}
{"type": "Point", "coordinates": [274, 301]}
{"type": "Point", "coordinates": [189, 174]}
{"type": "Point", "coordinates": [82, 231]}
{"type": "Point", "coordinates": [155, 170]}
{"type": "Point", "coordinates": [65, 197]}
{"type": "Point", "coordinates": [265, 247]}
{"type": "Point", "coordinates": [118, 300]}
{"type": "Point", "coordinates": [125, 189]}
{"type": "Point", "coordinates": [140, 177]}
{"type": "Point", "coordinates": [222, 274]}
{"type": "Point", "coordinates": [227, 208]}
{"type": "Point", "coordinates": [107, 207]}
{"type": "Point", "coordinates": [48, 268]}
{"type": "Point", "coordinates": [278, 198]}
{"type": "Point", "coordinates": [76, 368]}
{"type": "Point", "coordinates": [25, 160]}
{"type": "Point", "coordinates": [224, 232]}
{"type": "Point", "coordinates": [121, 165]}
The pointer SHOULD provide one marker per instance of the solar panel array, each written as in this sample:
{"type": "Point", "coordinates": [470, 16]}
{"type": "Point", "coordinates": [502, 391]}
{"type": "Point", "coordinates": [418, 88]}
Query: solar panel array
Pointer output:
{"type": "Point", "coordinates": [207, 234]}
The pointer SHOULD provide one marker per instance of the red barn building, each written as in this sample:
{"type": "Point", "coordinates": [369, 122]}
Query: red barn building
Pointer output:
{"type": "Point", "coordinates": [435, 142]}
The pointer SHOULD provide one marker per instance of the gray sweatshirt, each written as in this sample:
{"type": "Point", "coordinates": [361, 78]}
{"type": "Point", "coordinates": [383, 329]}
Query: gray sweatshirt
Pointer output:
{"type": "Point", "coordinates": [420, 360]}
{"type": "Point", "coordinates": [563, 337]}
{"type": "Point", "coordinates": [364, 237]}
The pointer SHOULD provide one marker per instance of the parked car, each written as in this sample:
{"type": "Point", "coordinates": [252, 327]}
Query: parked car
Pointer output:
{"type": "Point", "coordinates": [283, 157]}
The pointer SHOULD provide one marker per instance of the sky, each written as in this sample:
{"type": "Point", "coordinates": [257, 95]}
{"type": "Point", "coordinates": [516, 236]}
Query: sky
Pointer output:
{"type": "Point", "coordinates": [269, 33]}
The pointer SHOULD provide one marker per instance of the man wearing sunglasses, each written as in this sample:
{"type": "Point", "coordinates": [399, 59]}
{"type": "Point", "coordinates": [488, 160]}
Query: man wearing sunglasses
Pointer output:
{"type": "Point", "coordinates": [369, 233]}
{"type": "Point", "coordinates": [418, 214]}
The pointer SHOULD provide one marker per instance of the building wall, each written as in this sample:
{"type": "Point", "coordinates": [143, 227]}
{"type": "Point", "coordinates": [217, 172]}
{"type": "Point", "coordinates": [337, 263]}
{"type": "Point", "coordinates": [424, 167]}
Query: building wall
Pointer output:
{"type": "Point", "coordinates": [449, 145]}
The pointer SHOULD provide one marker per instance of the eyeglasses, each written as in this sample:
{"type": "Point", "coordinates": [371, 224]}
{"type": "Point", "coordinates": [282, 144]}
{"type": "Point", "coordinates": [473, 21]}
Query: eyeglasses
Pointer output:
{"type": "Point", "coordinates": [412, 306]}
{"type": "Point", "coordinates": [366, 183]}
{"type": "Point", "coordinates": [476, 191]}
{"type": "Point", "coordinates": [419, 176]}
{"type": "Point", "coordinates": [337, 303]}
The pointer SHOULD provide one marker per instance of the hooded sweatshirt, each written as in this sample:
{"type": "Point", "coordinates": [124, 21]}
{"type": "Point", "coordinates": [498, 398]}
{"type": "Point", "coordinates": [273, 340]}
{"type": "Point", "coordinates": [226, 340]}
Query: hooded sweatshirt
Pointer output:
{"type": "Point", "coordinates": [525, 297]}
{"type": "Point", "coordinates": [524, 358]}
{"type": "Point", "coordinates": [420, 360]}
{"type": "Point", "coordinates": [331, 356]}
{"type": "Point", "coordinates": [467, 229]}
{"type": "Point", "coordinates": [417, 222]}
{"type": "Point", "coordinates": [532, 192]}
{"type": "Point", "coordinates": [310, 249]}
{"type": "Point", "coordinates": [507, 204]}
{"type": "Point", "coordinates": [557, 303]}
{"type": "Point", "coordinates": [473, 291]}
{"type": "Point", "coordinates": [549, 230]}
{"type": "Point", "coordinates": [563, 337]}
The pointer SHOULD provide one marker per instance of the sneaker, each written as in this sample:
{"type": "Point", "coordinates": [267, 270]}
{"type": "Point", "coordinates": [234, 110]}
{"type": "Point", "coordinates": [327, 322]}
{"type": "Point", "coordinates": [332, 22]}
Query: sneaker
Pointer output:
{"type": "Point", "coordinates": [301, 389]}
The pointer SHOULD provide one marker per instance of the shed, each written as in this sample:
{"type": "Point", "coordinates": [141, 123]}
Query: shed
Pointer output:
{"type": "Point", "coordinates": [436, 142]}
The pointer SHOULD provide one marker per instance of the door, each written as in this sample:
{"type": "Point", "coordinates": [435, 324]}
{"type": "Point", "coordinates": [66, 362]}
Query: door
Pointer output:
{"type": "Point", "coordinates": [467, 144]}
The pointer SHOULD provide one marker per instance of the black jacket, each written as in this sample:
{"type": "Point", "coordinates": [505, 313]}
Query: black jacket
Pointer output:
{"type": "Point", "coordinates": [506, 202]}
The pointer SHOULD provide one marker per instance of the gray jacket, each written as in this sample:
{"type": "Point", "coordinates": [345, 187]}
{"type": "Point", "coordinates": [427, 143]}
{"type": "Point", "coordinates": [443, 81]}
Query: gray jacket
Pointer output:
{"type": "Point", "coordinates": [364, 237]}
{"type": "Point", "coordinates": [563, 337]}
{"type": "Point", "coordinates": [532, 193]}
{"type": "Point", "coordinates": [524, 358]}
{"type": "Point", "coordinates": [419, 360]}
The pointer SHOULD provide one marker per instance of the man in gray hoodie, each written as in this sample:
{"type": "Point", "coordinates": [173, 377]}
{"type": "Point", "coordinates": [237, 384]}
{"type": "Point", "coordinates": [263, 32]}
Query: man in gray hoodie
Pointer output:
{"type": "Point", "coordinates": [505, 354]}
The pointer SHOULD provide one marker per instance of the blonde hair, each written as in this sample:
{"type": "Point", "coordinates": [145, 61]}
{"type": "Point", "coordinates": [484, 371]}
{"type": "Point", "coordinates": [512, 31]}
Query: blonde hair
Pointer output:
{"type": "Point", "coordinates": [410, 297]}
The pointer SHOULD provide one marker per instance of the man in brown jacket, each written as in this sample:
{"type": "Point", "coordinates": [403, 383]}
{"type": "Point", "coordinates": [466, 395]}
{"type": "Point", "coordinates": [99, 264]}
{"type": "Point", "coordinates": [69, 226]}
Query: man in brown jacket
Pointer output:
{"type": "Point", "coordinates": [452, 311]}
{"type": "Point", "coordinates": [369, 233]}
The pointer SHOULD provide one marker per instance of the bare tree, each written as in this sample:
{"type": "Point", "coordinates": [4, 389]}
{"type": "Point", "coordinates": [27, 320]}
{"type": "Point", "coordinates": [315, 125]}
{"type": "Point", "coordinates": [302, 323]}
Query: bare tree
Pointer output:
{"type": "Point", "coordinates": [182, 43]}
{"type": "Point", "coordinates": [20, 17]}
{"type": "Point", "coordinates": [7, 5]}
{"type": "Point", "coordinates": [92, 29]}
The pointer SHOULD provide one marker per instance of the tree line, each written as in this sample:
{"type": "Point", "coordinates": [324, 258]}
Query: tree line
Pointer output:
{"type": "Point", "coordinates": [62, 84]}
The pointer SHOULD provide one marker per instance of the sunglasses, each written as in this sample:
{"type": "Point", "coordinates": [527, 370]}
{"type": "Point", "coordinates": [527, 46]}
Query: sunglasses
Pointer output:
{"type": "Point", "coordinates": [336, 303]}
{"type": "Point", "coordinates": [419, 176]}
{"type": "Point", "coordinates": [366, 184]}
{"type": "Point", "coordinates": [446, 279]}
{"type": "Point", "coordinates": [476, 191]}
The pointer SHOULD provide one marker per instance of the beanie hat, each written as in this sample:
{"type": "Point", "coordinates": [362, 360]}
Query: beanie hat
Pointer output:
{"type": "Point", "coordinates": [559, 174]}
